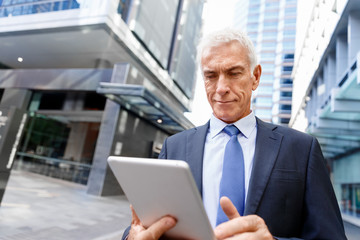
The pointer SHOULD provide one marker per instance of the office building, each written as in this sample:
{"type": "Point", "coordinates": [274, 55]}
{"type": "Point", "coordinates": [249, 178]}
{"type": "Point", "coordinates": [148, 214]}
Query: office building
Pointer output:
{"type": "Point", "coordinates": [271, 25]}
{"type": "Point", "coordinates": [82, 80]}
{"type": "Point", "coordinates": [327, 91]}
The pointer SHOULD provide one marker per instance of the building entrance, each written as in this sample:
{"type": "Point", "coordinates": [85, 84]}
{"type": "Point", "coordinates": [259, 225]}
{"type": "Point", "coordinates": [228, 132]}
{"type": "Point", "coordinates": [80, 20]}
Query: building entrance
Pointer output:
{"type": "Point", "coordinates": [58, 145]}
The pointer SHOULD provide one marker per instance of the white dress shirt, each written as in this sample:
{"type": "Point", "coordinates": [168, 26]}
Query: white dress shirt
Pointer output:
{"type": "Point", "coordinates": [215, 143]}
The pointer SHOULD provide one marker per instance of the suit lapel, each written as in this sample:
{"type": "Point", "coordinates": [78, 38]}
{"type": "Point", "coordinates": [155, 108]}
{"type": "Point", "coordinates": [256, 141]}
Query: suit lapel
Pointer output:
{"type": "Point", "coordinates": [195, 152]}
{"type": "Point", "coordinates": [266, 151]}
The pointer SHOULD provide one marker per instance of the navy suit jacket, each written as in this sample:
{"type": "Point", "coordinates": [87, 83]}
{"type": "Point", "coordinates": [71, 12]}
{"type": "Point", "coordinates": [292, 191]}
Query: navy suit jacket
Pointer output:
{"type": "Point", "coordinates": [289, 186]}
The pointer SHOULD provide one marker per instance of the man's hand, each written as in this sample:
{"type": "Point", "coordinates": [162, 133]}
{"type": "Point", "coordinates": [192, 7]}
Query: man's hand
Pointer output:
{"type": "Point", "coordinates": [154, 232]}
{"type": "Point", "coordinates": [248, 227]}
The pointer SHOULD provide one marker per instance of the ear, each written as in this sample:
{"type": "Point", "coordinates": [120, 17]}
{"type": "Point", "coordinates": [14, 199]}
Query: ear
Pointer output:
{"type": "Point", "coordinates": [256, 77]}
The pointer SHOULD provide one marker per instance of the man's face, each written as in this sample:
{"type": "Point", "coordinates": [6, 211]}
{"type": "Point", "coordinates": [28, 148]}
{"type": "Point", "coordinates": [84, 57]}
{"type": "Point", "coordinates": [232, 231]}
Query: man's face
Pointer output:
{"type": "Point", "coordinates": [228, 80]}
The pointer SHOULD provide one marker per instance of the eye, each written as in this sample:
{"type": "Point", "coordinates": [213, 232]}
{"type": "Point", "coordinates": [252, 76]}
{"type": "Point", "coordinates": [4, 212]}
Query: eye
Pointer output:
{"type": "Point", "coordinates": [235, 74]}
{"type": "Point", "coordinates": [210, 76]}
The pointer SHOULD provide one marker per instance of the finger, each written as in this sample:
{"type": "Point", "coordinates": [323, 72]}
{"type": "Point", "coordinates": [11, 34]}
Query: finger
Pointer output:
{"type": "Point", "coordinates": [229, 208]}
{"type": "Point", "coordinates": [156, 230]}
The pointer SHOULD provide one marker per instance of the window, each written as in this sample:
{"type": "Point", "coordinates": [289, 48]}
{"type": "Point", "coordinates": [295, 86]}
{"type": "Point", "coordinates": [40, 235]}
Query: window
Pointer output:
{"type": "Point", "coordinates": [271, 15]}
{"type": "Point", "coordinates": [289, 33]}
{"type": "Point", "coordinates": [269, 45]}
{"type": "Point", "coordinates": [288, 56]}
{"type": "Point", "coordinates": [253, 18]}
{"type": "Point", "coordinates": [290, 11]}
{"type": "Point", "coordinates": [52, 100]}
{"type": "Point", "coordinates": [267, 78]}
{"type": "Point", "coordinates": [284, 120]}
{"type": "Point", "coordinates": [252, 27]}
{"type": "Point", "coordinates": [24, 7]}
{"type": "Point", "coordinates": [254, 10]}
{"type": "Point", "coordinates": [286, 81]}
{"type": "Point", "coordinates": [350, 198]}
{"type": "Point", "coordinates": [94, 101]}
{"type": "Point", "coordinates": [268, 67]}
{"type": "Point", "coordinates": [290, 22]}
{"type": "Point", "coordinates": [289, 45]}
{"type": "Point", "coordinates": [265, 90]}
{"type": "Point", "coordinates": [287, 68]}
{"type": "Point", "coordinates": [272, 34]}
{"type": "Point", "coordinates": [285, 107]}
{"type": "Point", "coordinates": [272, 24]}
{"type": "Point", "coordinates": [267, 56]}
{"type": "Point", "coordinates": [271, 5]}
{"type": "Point", "coordinates": [266, 102]}
{"type": "Point", "coordinates": [286, 94]}
{"type": "Point", "coordinates": [263, 113]}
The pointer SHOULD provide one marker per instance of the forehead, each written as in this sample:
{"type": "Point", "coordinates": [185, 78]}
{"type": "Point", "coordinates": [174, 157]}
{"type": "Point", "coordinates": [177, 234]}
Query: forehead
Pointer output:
{"type": "Point", "coordinates": [224, 55]}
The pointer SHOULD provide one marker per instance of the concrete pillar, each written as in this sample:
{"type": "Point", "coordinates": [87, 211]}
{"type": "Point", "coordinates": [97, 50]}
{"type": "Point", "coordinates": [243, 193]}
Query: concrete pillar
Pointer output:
{"type": "Point", "coordinates": [341, 56]}
{"type": "Point", "coordinates": [104, 146]}
{"type": "Point", "coordinates": [353, 35]}
{"type": "Point", "coordinates": [314, 100]}
{"type": "Point", "coordinates": [330, 73]}
{"type": "Point", "coordinates": [74, 101]}
{"type": "Point", "coordinates": [76, 141]}
{"type": "Point", "coordinates": [13, 117]}
{"type": "Point", "coordinates": [100, 172]}
{"type": "Point", "coordinates": [320, 90]}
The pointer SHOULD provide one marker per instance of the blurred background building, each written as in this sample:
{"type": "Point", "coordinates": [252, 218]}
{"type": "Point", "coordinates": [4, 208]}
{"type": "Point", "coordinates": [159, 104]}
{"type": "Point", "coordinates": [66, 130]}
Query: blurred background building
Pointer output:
{"type": "Point", "coordinates": [326, 96]}
{"type": "Point", "coordinates": [314, 87]}
{"type": "Point", "coordinates": [82, 80]}
{"type": "Point", "coordinates": [271, 25]}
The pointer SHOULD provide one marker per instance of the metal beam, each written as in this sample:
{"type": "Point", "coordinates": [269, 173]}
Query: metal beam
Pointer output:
{"type": "Point", "coordinates": [343, 105]}
{"type": "Point", "coordinates": [328, 154]}
{"type": "Point", "coordinates": [338, 142]}
{"type": "Point", "coordinates": [340, 105]}
{"type": "Point", "coordinates": [333, 131]}
{"type": "Point", "coordinates": [337, 124]}
{"type": "Point", "coordinates": [336, 150]}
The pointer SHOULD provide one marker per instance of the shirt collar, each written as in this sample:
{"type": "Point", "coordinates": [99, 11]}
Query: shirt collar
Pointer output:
{"type": "Point", "coordinates": [246, 125]}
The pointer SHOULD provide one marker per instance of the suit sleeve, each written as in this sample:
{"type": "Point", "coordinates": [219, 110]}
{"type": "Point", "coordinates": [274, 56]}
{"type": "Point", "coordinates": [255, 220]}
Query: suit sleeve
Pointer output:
{"type": "Point", "coordinates": [322, 218]}
{"type": "Point", "coordinates": [163, 152]}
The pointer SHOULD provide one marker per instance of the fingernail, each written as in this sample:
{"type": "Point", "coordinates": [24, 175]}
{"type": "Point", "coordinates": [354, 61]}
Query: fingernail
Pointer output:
{"type": "Point", "coordinates": [170, 221]}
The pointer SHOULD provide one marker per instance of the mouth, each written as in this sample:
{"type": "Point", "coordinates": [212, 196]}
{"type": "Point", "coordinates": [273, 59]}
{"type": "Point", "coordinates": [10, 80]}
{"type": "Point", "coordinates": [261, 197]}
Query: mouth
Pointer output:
{"type": "Point", "coordinates": [224, 102]}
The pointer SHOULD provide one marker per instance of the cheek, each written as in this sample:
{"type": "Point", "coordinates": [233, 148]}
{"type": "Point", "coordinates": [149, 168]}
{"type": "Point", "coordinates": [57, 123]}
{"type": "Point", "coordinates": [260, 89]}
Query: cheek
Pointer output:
{"type": "Point", "coordinates": [209, 88]}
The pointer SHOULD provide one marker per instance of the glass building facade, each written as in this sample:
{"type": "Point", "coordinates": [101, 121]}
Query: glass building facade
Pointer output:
{"type": "Point", "coordinates": [271, 25]}
{"type": "Point", "coordinates": [82, 80]}
{"type": "Point", "coordinates": [10, 8]}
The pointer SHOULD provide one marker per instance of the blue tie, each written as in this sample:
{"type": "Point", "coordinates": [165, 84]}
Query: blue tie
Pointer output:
{"type": "Point", "coordinates": [232, 182]}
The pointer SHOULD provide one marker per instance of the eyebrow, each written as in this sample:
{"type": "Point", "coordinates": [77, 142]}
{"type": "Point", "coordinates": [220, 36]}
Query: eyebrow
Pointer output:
{"type": "Point", "coordinates": [209, 72]}
{"type": "Point", "coordinates": [226, 70]}
{"type": "Point", "coordinates": [237, 67]}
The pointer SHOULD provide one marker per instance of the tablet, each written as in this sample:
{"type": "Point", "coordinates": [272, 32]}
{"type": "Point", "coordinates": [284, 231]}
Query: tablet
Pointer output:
{"type": "Point", "coordinates": [157, 187]}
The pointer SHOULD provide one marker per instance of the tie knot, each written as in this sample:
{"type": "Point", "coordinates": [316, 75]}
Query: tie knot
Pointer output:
{"type": "Point", "coordinates": [231, 130]}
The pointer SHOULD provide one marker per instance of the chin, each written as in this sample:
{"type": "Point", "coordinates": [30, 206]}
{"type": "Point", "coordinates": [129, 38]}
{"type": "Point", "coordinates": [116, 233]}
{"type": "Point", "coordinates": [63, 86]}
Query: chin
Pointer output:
{"type": "Point", "coordinates": [226, 119]}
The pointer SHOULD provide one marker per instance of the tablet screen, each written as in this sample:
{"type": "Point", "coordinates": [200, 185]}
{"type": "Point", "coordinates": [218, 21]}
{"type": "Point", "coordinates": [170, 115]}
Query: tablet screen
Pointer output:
{"type": "Point", "coordinates": [157, 187]}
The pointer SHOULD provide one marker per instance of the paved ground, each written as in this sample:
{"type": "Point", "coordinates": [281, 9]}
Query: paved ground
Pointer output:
{"type": "Point", "coordinates": [352, 231]}
{"type": "Point", "coordinates": [39, 207]}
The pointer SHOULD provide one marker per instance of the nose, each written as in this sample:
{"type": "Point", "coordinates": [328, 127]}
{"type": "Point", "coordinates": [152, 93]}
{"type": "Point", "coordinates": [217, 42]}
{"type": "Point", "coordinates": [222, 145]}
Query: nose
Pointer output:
{"type": "Point", "coordinates": [222, 86]}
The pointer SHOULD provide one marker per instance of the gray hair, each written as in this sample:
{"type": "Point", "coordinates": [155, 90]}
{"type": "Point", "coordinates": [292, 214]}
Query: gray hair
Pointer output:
{"type": "Point", "coordinates": [225, 36]}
